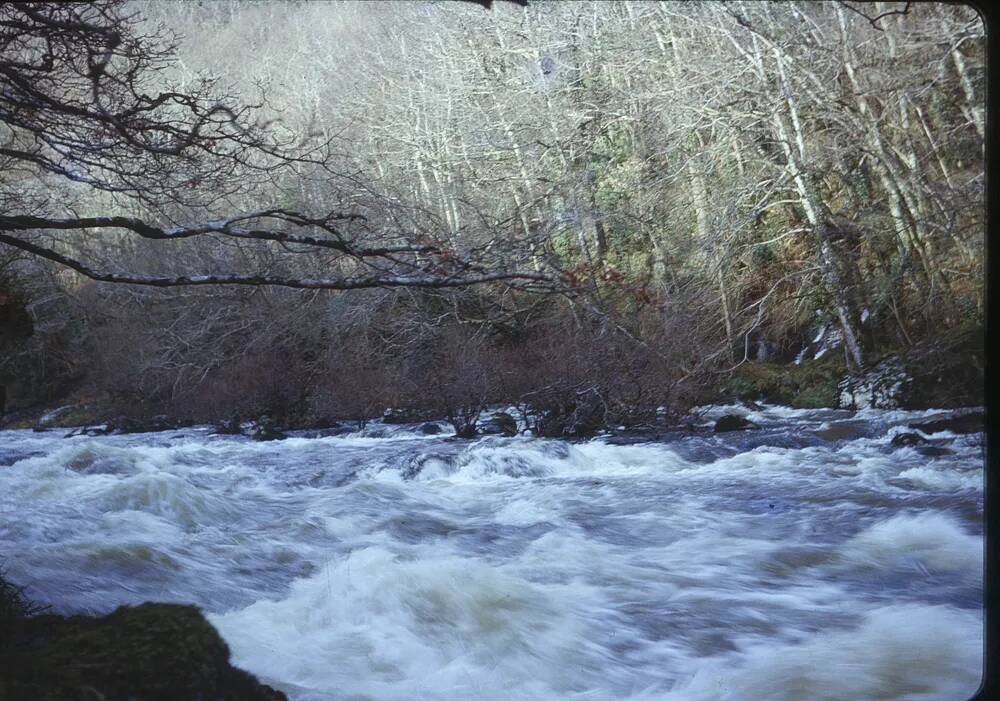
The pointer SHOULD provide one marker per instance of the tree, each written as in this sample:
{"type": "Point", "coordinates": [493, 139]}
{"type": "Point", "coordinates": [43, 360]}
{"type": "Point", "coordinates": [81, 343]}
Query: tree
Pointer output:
{"type": "Point", "coordinates": [86, 110]}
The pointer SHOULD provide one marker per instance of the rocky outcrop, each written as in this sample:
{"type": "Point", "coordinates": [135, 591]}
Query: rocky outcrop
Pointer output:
{"type": "Point", "coordinates": [945, 371]}
{"type": "Point", "coordinates": [885, 386]}
{"type": "Point", "coordinates": [811, 384]}
{"type": "Point", "coordinates": [151, 652]}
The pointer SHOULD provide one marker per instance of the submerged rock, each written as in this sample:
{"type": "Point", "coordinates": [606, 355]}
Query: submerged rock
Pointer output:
{"type": "Point", "coordinates": [151, 652]}
{"type": "Point", "coordinates": [734, 422]}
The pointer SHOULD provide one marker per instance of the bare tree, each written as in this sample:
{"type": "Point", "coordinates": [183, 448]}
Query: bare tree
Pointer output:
{"type": "Point", "coordinates": [80, 103]}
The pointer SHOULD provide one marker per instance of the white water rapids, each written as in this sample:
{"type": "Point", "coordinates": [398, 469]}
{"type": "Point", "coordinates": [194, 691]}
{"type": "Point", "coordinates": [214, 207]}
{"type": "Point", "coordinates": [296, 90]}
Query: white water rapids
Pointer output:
{"type": "Point", "coordinates": [807, 560]}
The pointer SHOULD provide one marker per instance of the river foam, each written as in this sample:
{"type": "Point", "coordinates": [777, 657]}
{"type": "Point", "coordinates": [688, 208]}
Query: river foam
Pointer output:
{"type": "Point", "coordinates": [808, 560]}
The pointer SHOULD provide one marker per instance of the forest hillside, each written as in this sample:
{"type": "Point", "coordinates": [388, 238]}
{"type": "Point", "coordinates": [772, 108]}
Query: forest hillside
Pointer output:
{"type": "Point", "coordinates": [625, 207]}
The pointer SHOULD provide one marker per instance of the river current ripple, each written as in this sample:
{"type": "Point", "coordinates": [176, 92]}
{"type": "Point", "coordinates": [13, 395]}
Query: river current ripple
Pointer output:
{"type": "Point", "coordinates": [807, 560]}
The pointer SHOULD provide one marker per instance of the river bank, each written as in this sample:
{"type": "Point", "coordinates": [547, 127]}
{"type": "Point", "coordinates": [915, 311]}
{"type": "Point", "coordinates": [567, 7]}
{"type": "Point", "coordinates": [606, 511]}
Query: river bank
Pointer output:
{"type": "Point", "coordinates": [942, 372]}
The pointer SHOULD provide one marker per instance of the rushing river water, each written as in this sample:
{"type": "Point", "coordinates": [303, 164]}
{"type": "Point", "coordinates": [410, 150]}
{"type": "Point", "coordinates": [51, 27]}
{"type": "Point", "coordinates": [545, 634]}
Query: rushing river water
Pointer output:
{"type": "Point", "coordinates": [807, 560]}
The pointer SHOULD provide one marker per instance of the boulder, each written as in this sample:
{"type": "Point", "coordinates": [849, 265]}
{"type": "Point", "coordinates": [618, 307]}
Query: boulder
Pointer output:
{"type": "Point", "coordinates": [734, 422]}
{"type": "Point", "coordinates": [151, 652]}
{"type": "Point", "coordinates": [907, 439]}
{"type": "Point", "coordinates": [430, 428]}
{"type": "Point", "coordinates": [885, 386]}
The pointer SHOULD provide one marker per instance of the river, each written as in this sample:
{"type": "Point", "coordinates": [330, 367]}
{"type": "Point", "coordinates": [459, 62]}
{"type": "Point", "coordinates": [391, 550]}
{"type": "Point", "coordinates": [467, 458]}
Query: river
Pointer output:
{"type": "Point", "coordinates": [807, 560]}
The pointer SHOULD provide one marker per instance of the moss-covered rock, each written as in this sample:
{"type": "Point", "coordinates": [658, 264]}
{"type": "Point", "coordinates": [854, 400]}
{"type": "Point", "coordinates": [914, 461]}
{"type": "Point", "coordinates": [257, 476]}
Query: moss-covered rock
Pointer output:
{"type": "Point", "coordinates": [944, 371]}
{"type": "Point", "coordinates": [151, 652]}
{"type": "Point", "coordinates": [810, 385]}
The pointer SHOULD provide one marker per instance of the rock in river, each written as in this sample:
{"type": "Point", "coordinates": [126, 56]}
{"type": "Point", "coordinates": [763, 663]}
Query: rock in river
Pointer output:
{"type": "Point", "coordinates": [151, 652]}
{"type": "Point", "coordinates": [734, 422]}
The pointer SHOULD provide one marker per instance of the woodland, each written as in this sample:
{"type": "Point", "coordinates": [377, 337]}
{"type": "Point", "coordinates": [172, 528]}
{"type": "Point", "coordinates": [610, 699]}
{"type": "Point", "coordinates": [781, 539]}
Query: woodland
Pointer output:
{"type": "Point", "coordinates": [318, 210]}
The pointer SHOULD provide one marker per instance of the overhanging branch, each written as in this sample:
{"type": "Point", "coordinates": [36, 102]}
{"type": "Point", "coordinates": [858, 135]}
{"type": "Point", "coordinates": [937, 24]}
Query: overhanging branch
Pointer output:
{"type": "Point", "coordinates": [522, 279]}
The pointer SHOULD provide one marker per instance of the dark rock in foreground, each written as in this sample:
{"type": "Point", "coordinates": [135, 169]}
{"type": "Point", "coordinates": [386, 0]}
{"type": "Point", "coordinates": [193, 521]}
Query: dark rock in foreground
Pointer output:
{"type": "Point", "coordinates": [152, 652]}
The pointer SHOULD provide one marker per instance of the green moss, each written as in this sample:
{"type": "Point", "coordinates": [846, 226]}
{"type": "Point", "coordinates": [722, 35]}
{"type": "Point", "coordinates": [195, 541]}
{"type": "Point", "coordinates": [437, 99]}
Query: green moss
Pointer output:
{"type": "Point", "coordinates": [79, 415]}
{"type": "Point", "coordinates": [810, 385]}
{"type": "Point", "coordinates": [82, 415]}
